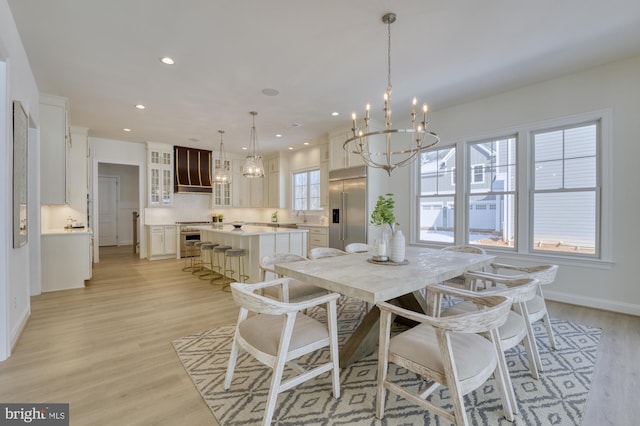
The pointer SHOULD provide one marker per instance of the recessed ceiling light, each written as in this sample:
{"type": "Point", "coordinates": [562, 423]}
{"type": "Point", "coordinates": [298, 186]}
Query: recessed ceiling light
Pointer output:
{"type": "Point", "coordinates": [140, 106]}
{"type": "Point", "coordinates": [126, 129]}
{"type": "Point", "coordinates": [291, 148]}
{"type": "Point", "coordinates": [270, 92]}
{"type": "Point", "coordinates": [244, 148]}
{"type": "Point", "coordinates": [167, 60]}
{"type": "Point", "coordinates": [306, 143]}
{"type": "Point", "coordinates": [278, 135]}
{"type": "Point", "coordinates": [335, 114]}
{"type": "Point", "coordinates": [295, 125]}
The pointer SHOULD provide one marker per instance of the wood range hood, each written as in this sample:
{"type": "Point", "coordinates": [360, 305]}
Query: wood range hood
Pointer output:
{"type": "Point", "coordinates": [192, 170]}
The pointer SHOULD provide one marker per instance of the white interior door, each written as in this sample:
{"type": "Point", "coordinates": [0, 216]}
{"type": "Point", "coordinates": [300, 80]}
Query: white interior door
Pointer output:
{"type": "Point", "coordinates": [107, 210]}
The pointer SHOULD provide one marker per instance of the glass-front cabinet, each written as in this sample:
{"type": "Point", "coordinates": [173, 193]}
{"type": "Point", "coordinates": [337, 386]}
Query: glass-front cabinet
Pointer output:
{"type": "Point", "coordinates": [221, 191]}
{"type": "Point", "coordinates": [159, 175]}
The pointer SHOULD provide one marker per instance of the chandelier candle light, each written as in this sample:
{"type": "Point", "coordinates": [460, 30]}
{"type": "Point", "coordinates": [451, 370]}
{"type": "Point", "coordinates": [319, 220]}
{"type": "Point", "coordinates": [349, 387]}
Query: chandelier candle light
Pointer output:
{"type": "Point", "coordinates": [221, 173]}
{"type": "Point", "coordinates": [390, 148]}
{"type": "Point", "coordinates": [253, 166]}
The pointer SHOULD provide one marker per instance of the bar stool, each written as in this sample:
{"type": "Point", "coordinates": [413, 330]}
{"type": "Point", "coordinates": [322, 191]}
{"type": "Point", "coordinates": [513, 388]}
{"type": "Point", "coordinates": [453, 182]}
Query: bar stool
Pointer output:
{"type": "Point", "coordinates": [220, 259]}
{"type": "Point", "coordinates": [197, 256]}
{"type": "Point", "coordinates": [238, 254]}
{"type": "Point", "coordinates": [207, 248]}
{"type": "Point", "coordinates": [188, 256]}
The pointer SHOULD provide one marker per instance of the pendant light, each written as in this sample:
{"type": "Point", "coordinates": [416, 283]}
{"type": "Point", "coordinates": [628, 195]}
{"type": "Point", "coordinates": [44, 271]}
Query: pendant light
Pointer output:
{"type": "Point", "coordinates": [221, 174]}
{"type": "Point", "coordinates": [253, 166]}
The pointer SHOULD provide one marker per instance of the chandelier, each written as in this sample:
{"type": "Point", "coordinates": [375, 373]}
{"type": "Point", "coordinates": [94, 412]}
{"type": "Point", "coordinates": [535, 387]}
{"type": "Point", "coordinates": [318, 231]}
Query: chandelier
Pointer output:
{"type": "Point", "coordinates": [390, 148]}
{"type": "Point", "coordinates": [221, 172]}
{"type": "Point", "coordinates": [253, 167]}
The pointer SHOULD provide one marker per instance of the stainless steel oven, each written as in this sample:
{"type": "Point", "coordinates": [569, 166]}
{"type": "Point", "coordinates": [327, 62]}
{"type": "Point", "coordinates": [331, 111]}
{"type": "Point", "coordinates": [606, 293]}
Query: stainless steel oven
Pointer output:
{"type": "Point", "coordinates": [188, 233]}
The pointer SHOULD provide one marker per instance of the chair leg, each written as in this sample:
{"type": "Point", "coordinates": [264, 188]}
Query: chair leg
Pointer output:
{"type": "Point", "coordinates": [383, 364]}
{"type": "Point", "coordinates": [547, 322]}
{"type": "Point", "coordinates": [333, 347]}
{"type": "Point", "coordinates": [503, 380]}
{"type": "Point", "coordinates": [235, 348]}
{"type": "Point", "coordinates": [278, 370]}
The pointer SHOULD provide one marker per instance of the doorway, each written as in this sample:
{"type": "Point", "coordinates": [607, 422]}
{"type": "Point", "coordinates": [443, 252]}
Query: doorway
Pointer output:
{"type": "Point", "coordinates": [118, 197]}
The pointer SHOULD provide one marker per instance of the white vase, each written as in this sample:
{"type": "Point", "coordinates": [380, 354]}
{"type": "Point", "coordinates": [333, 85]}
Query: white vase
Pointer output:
{"type": "Point", "coordinates": [397, 247]}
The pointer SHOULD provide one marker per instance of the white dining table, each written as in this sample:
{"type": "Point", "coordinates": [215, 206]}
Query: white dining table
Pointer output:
{"type": "Point", "coordinates": [355, 275]}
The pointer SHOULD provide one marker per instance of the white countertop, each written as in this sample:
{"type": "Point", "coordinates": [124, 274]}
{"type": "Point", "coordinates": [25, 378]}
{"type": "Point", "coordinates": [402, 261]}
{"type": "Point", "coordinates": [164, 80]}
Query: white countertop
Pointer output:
{"type": "Point", "coordinates": [312, 225]}
{"type": "Point", "coordinates": [65, 231]}
{"type": "Point", "coordinates": [247, 230]}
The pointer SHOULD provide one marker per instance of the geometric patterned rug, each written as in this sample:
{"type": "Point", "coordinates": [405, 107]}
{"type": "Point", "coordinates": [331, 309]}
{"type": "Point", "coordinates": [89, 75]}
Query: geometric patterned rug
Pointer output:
{"type": "Point", "coordinates": [557, 398]}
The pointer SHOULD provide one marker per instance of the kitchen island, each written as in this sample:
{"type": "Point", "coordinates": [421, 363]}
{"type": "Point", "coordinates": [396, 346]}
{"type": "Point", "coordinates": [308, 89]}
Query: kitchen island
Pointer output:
{"type": "Point", "coordinates": [67, 258]}
{"type": "Point", "coordinates": [258, 241]}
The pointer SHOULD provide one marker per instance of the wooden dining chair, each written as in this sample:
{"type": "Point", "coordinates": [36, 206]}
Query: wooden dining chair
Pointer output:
{"type": "Point", "coordinates": [280, 333]}
{"type": "Point", "coordinates": [322, 252]}
{"type": "Point", "coordinates": [446, 351]}
{"type": "Point", "coordinates": [295, 290]}
{"type": "Point", "coordinates": [358, 248]}
{"type": "Point", "coordinates": [459, 281]}
{"type": "Point", "coordinates": [537, 307]}
{"type": "Point", "coordinates": [516, 328]}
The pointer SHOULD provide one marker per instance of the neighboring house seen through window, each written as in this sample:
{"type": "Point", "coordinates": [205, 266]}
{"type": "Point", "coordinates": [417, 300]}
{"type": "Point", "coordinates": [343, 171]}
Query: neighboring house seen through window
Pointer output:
{"type": "Point", "coordinates": [436, 202]}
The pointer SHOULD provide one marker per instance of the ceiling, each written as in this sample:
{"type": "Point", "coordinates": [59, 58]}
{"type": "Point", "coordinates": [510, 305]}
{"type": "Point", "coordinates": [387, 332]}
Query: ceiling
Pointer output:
{"type": "Point", "coordinates": [321, 56]}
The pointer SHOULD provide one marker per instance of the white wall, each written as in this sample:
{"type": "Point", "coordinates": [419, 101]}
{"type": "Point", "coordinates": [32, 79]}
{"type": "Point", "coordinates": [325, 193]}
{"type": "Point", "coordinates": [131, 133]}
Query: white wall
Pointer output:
{"type": "Point", "coordinates": [16, 83]}
{"type": "Point", "coordinates": [614, 86]}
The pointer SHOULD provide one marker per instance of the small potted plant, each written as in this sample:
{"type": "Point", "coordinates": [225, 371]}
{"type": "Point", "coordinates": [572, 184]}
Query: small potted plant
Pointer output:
{"type": "Point", "coordinates": [383, 215]}
{"type": "Point", "coordinates": [383, 212]}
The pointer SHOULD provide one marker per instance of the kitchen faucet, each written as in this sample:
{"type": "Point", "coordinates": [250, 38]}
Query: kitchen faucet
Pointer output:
{"type": "Point", "coordinates": [304, 215]}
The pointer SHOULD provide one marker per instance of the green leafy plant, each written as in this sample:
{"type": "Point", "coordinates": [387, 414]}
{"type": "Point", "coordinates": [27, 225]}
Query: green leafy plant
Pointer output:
{"type": "Point", "coordinates": [383, 212]}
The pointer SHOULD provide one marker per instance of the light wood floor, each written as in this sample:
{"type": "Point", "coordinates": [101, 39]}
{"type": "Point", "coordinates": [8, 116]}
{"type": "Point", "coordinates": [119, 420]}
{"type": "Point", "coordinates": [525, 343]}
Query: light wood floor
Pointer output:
{"type": "Point", "coordinates": [106, 349]}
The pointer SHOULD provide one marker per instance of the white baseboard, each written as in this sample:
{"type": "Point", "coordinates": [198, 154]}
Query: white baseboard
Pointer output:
{"type": "Point", "coordinates": [607, 305]}
{"type": "Point", "coordinates": [17, 330]}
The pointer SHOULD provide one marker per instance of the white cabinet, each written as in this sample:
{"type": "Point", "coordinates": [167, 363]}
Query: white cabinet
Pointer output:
{"type": "Point", "coordinates": [162, 241]}
{"type": "Point", "coordinates": [275, 182]}
{"type": "Point", "coordinates": [246, 192]}
{"type": "Point", "coordinates": [54, 149]}
{"type": "Point", "coordinates": [159, 175]}
{"type": "Point", "coordinates": [66, 259]}
{"type": "Point", "coordinates": [338, 157]}
{"type": "Point", "coordinates": [324, 184]}
{"type": "Point", "coordinates": [318, 236]}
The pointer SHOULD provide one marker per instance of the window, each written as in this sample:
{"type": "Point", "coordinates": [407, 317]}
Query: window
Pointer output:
{"type": "Point", "coordinates": [492, 198]}
{"type": "Point", "coordinates": [436, 195]}
{"type": "Point", "coordinates": [543, 190]}
{"type": "Point", "coordinates": [477, 173]}
{"type": "Point", "coordinates": [306, 190]}
{"type": "Point", "coordinates": [566, 189]}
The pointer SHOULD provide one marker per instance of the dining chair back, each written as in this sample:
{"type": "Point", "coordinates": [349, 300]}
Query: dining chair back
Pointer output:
{"type": "Point", "coordinates": [459, 281]}
{"type": "Point", "coordinates": [447, 351]}
{"type": "Point", "coordinates": [277, 333]}
{"type": "Point", "coordinates": [358, 248]}
{"type": "Point", "coordinates": [537, 307]}
{"type": "Point", "coordinates": [322, 252]}
{"type": "Point", "coordinates": [296, 290]}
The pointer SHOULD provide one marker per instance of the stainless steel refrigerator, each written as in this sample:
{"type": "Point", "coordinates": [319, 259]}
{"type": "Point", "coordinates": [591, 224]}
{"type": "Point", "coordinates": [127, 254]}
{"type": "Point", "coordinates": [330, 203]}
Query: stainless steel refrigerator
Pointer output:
{"type": "Point", "coordinates": [348, 215]}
